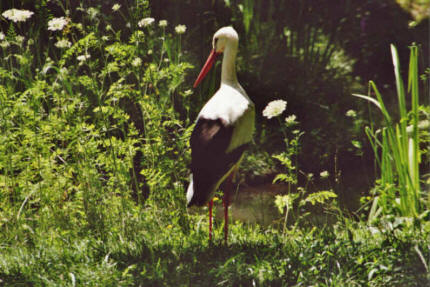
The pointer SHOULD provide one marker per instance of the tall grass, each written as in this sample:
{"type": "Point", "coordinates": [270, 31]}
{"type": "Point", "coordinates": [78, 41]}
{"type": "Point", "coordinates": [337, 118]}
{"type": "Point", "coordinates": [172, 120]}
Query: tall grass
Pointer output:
{"type": "Point", "coordinates": [397, 145]}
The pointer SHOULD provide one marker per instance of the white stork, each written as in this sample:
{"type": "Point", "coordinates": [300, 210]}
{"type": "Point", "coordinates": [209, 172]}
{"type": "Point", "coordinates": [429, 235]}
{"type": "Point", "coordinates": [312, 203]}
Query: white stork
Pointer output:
{"type": "Point", "coordinates": [222, 132]}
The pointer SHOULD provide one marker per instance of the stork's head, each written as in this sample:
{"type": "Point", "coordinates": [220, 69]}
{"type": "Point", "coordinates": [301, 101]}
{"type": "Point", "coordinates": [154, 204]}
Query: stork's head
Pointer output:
{"type": "Point", "coordinates": [223, 38]}
{"type": "Point", "coordinates": [226, 36]}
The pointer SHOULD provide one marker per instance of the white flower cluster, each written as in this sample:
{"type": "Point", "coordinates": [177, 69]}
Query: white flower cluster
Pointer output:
{"type": "Point", "coordinates": [351, 113]}
{"type": "Point", "coordinates": [148, 21]}
{"type": "Point", "coordinates": [274, 108]}
{"type": "Point", "coordinates": [136, 62]}
{"type": "Point", "coordinates": [57, 24]}
{"type": "Point", "coordinates": [324, 174]}
{"type": "Point", "coordinates": [83, 58]}
{"type": "Point", "coordinates": [17, 15]}
{"type": "Point", "coordinates": [19, 39]}
{"type": "Point", "coordinates": [145, 22]}
{"type": "Point", "coordinates": [116, 7]}
{"type": "Point", "coordinates": [162, 23]}
{"type": "Point", "coordinates": [63, 43]}
{"type": "Point", "coordinates": [180, 29]}
{"type": "Point", "coordinates": [291, 120]}
{"type": "Point", "coordinates": [4, 44]}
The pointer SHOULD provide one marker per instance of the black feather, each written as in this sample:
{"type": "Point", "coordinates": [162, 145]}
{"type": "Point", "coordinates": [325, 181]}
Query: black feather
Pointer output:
{"type": "Point", "coordinates": [209, 159]}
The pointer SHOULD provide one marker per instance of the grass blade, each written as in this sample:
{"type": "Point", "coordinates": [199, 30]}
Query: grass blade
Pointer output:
{"type": "Point", "coordinates": [413, 88]}
{"type": "Point", "coordinates": [401, 97]}
{"type": "Point", "coordinates": [399, 82]}
{"type": "Point", "coordinates": [370, 99]}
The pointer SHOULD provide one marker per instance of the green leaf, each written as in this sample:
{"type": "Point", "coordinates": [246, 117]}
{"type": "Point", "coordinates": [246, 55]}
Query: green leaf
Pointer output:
{"type": "Point", "coordinates": [282, 177]}
{"type": "Point", "coordinates": [320, 197]}
{"type": "Point", "coordinates": [285, 201]}
{"type": "Point", "coordinates": [356, 144]}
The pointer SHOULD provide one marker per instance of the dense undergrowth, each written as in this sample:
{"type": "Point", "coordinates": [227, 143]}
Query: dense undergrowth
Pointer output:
{"type": "Point", "coordinates": [347, 254]}
{"type": "Point", "coordinates": [95, 115]}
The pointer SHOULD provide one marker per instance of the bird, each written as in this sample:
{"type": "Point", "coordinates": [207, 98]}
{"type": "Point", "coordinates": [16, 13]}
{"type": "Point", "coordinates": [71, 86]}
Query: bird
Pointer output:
{"type": "Point", "coordinates": [222, 131]}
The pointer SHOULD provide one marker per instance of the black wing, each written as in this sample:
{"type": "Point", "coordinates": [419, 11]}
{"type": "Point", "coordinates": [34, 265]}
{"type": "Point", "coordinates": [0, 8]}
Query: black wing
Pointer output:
{"type": "Point", "coordinates": [209, 160]}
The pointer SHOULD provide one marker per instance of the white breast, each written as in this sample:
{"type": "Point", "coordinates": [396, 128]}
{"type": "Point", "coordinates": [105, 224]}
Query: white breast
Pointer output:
{"type": "Point", "coordinates": [232, 105]}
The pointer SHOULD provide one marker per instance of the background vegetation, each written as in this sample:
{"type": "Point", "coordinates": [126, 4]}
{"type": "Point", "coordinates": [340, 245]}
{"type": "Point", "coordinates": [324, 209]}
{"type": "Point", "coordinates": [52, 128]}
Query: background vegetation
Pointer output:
{"type": "Point", "coordinates": [96, 115]}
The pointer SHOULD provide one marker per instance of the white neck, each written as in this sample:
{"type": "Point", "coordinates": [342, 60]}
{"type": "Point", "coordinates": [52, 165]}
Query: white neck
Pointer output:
{"type": "Point", "coordinates": [228, 72]}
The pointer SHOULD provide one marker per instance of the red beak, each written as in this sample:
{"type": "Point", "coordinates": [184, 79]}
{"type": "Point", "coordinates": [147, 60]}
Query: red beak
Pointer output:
{"type": "Point", "coordinates": [206, 68]}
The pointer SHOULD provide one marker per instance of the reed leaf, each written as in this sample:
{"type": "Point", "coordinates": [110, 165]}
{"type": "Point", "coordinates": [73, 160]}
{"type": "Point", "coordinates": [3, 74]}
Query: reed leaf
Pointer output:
{"type": "Point", "coordinates": [413, 88]}
{"type": "Point", "coordinates": [374, 142]}
{"type": "Point", "coordinates": [400, 155]}
{"type": "Point", "coordinates": [370, 99]}
{"type": "Point", "coordinates": [248, 13]}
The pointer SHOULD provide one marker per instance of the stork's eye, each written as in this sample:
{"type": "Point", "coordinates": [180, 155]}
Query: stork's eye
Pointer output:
{"type": "Point", "coordinates": [215, 41]}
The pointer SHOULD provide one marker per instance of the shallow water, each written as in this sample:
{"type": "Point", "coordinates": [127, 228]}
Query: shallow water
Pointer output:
{"type": "Point", "coordinates": [256, 204]}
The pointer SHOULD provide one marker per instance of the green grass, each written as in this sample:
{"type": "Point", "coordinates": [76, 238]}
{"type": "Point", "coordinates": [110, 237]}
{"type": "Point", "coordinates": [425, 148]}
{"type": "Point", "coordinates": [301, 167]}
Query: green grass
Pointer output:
{"type": "Point", "coordinates": [348, 254]}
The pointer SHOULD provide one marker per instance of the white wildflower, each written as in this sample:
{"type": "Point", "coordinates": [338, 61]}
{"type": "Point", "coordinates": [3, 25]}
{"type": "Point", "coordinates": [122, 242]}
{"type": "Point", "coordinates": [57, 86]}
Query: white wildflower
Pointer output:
{"type": "Point", "coordinates": [274, 108]}
{"type": "Point", "coordinates": [188, 93]}
{"type": "Point", "coordinates": [324, 174]}
{"type": "Point", "coordinates": [310, 175]}
{"type": "Point", "coordinates": [116, 7]}
{"type": "Point", "coordinates": [145, 22]}
{"type": "Point", "coordinates": [4, 44]}
{"type": "Point", "coordinates": [291, 120]}
{"type": "Point", "coordinates": [162, 23]}
{"type": "Point", "coordinates": [63, 43]}
{"type": "Point", "coordinates": [64, 72]}
{"type": "Point", "coordinates": [136, 62]}
{"type": "Point", "coordinates": [16, 15]}
{"type": "Point", "coordinates": [93, 12]}
{"type": "Point", "coordinates": [351, 113]}
{"type": "Point", "coordinates": [82, 58]}
{"type": "Point", "coordinates": [2, 36]}
{"type": "Point", "coordinates": [180, 29]}
{"type": "Point", "coordinates": [56, 85]}
{"type": "Point", "coordinates": [19, 39]}
{"type": "Point", "coordinates": [105, 38]}
{"type": "Point", "coordinates": [57, 24]}
{"type": "Point", "coordinates": [149, 52]}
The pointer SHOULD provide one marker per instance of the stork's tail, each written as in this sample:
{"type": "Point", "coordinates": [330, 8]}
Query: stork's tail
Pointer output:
{"type": "Point", "coordinates": [190, 191]}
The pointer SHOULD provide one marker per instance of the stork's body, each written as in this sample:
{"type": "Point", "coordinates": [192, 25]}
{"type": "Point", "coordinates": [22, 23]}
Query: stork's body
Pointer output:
{"type": "Point", "coordinates": [223, 129]}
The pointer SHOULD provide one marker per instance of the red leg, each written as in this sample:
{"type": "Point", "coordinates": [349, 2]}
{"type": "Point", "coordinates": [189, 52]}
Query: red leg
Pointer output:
{"type": "Point", "coordinates": [211, 203]}
{"type": "Point", "coordinates": [228, 188]}
{"type": "Point", "coordinates": [225, 201]}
